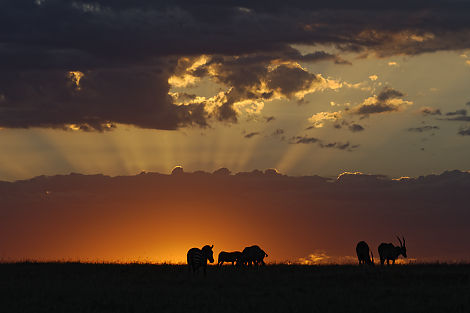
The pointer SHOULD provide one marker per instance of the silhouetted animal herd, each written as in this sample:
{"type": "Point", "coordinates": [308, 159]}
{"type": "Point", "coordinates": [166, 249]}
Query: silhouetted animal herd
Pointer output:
{"type": "Point", "coordinates": [254, 255]}
{"type": "Point", "coordinates": [387, 252]}
{"type": "Point", "coordinates": [250, 256]}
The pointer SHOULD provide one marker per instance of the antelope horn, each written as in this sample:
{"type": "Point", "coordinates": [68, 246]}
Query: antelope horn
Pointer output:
{"type": "Point", "coordinates": [212, 246]}
{"type": "Point", "coordinates": [401, 244]}
{"type": "Point", "coordinates": [403, 241]}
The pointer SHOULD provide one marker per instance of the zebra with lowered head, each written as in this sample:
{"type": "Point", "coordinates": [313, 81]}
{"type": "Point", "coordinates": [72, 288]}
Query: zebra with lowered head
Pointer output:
{"type": "Point", "coordinates": [198, 258]}
{"type": "Point", "coordinates": [253, 255]}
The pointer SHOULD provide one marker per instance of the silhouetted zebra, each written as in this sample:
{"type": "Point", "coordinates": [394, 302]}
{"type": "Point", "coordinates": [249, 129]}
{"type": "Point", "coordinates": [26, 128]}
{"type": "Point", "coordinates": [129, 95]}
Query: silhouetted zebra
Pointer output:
{"type": "Point", "coordinates": [198, 258]}
{"type": "Point", "coordinates": [234, 257]}
{"type": "Point", "coordinates": [253, 255]}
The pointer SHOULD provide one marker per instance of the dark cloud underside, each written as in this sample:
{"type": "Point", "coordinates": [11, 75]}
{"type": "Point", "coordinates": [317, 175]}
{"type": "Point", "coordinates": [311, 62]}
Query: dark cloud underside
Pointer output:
{"type": "Point", "coordinates": [323, 144]}
{"type": "Point", "coordinates": [423, 129]}
{"type": "Point", "coordinates": [127, 50]}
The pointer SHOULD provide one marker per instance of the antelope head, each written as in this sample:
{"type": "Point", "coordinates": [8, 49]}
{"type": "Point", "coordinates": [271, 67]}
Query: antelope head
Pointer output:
{"type": "Point", "coordinates": [402, 246]}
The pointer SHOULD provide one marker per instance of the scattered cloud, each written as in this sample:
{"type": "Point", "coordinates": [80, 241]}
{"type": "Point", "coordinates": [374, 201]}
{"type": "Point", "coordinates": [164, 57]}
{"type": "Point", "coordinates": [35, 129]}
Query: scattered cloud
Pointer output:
{"type": "Point", "coordinates": [430, 111]}
{"type": "Point", "coordinates": [278, 132]}
{"type": "Point", "coordinates": [457, 119]}
{"type": "Point", "coordinates": [318, 120]}
{"type": "Point", "coordinates": [316, 258]}
{"type": "Point", "coordinates": [249, 135]}
{"type": "Point", "coordinates": [388, 100]}
{"type": "Point", "coordinates": [462, 112]}
{"type": "Point", "coordinates": [322, 144]}
{"type": "Point", "coordinates": [464, 131]}
{"type": "Point", "coordinates": [338, 145]}
{"type": "Point", "coordinates": [321, 257]}
{"type": "Point", "coordinates": [423, 129]}
{"type": "Point", "coordinates": [355, 128]}
{"type": "Point", "coordinates": [304, 139]}
{"type": "Point", "coordinates": [458, 116]}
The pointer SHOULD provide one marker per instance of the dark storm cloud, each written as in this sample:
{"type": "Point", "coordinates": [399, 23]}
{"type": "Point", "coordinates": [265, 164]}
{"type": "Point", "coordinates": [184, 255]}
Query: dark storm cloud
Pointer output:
{"type": "Point", "coordinates": [422, 129]}
{"type": "Point", "coordinates": [40, 41]}
{"type": "Point", "coordinates": [119, 30]}
{"type": "Point", "coordinates": [133, 96]}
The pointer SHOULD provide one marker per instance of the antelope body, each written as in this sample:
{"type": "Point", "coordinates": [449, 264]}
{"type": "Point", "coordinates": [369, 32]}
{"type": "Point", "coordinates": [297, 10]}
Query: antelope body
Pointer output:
{"type": "Point", "coordinates": [364, 254]}
{"type": "Point", "coordinates": [388, 252]}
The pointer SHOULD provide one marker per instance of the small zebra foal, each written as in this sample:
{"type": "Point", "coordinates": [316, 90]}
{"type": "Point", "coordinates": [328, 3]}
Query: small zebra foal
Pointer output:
{"type": "Point", "coordinates": [198, 258]}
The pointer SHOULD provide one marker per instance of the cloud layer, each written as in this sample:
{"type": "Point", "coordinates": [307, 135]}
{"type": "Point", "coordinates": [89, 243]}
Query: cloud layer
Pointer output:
{"type": "Point", "coordinates": [128, 51]}
{"type": "Point", "coordinates": [155, 216]}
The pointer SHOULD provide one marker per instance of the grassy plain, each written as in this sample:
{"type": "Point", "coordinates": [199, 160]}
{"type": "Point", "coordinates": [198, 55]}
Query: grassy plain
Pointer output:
{"type": "Point", "coordinates": [90, 287]}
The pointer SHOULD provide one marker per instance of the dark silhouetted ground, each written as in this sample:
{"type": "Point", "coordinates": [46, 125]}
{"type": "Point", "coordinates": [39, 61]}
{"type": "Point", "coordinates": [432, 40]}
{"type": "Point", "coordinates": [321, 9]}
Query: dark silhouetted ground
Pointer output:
{"type": "Point", "coordinates": [75, 287]}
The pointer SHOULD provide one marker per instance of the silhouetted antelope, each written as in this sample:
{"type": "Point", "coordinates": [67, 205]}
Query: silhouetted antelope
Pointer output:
{"type": "Point", "coordinates": [234, 257]}
{"type": "Point", "coordinates": [253, 255]}
{"type": "Point", "coordinates": [388, 251]}
{"type": "Point", "coordinates": [364, 254]}
{"type": "Point", "coordinates": [198, 257]}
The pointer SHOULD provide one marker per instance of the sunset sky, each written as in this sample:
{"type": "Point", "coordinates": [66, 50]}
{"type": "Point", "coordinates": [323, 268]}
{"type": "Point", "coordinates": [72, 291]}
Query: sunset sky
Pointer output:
{"type": "Point", "coordinates": [308, 88]}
